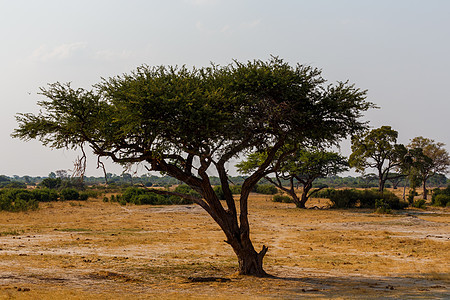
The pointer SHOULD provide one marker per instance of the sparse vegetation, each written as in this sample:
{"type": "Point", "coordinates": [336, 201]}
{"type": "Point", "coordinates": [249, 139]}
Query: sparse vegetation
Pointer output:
{"type": "Point", "coordinates": [350, 198]}
{"type": "Point", "coordinates": [282, 199]}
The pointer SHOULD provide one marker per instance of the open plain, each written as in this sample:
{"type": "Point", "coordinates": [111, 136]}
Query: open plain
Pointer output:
{"type": "Point", "coordinates": [96, 250]}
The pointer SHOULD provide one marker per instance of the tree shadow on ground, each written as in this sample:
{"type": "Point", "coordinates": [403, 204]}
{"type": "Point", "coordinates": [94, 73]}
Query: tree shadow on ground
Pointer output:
{"type": "Point", "coordinates": [427, 286]}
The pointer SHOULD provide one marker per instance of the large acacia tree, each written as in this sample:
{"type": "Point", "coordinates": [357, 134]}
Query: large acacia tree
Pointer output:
{"type": "Point", "coordinates": [188, 123]}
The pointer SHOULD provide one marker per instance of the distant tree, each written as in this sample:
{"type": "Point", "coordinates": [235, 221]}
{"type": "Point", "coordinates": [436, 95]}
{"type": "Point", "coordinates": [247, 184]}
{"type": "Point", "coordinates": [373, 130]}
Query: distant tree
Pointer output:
{"type": "Point", "coordinates": [127, 177]}
{"type": "Point", "coordinates": [52, 175]}
{"type": "Point", "coordinates": [427, 159]}
{"type": "Point", "coordinates": [63, 174]}
{"type": "Point", "coordinates": [368, 180]}
{"type": "Point", "coordinates": [28, 179]}
{"type": "Point", "coordinates": [396, 179]}
{"type": "Point", "coordinates": [4, 178]}
{"type": "Point", "coordinates": [187, 123]}
{"type": "Point", "coordinates": [437, 180]}
{"type": "Point", "coordinates": [302, 166]}
{"type": "Point", "coordinates": [51, 183]}
{"type": "Point", "coordinates": [377, 149]}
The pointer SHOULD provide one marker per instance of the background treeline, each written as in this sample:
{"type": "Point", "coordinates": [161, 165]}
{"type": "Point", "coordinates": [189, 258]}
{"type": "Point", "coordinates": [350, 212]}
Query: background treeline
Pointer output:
{"type": "Point", "coordinates": [368, 181]}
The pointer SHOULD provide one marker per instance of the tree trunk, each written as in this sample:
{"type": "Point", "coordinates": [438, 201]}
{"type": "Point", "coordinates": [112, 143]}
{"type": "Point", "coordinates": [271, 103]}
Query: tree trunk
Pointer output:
{"type": "Point", "coordinates": [305, 192]}
{"type": "Point", "coordinates": [425, 191]}
{"type": "Point", "coordinates": [298, 203]}
{"type": "Point", "coordinates": [250, 261]}
{"type": "Point", "coordinates": [381, 182]}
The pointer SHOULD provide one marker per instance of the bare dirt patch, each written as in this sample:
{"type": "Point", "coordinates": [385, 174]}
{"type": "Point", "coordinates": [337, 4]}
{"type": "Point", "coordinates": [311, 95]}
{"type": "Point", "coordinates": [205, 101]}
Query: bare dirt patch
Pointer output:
{"type": "Point", "coordinates": [92, 249]}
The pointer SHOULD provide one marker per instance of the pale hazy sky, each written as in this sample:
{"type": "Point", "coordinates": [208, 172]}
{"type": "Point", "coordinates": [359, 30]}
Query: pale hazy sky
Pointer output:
{"type": "Point", "coordinates": [398, 50]}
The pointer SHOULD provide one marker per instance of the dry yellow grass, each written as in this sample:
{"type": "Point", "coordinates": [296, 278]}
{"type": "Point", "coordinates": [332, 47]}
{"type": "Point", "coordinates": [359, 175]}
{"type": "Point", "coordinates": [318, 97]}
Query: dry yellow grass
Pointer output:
{"type": "Point", "coordinates": [96, 250]}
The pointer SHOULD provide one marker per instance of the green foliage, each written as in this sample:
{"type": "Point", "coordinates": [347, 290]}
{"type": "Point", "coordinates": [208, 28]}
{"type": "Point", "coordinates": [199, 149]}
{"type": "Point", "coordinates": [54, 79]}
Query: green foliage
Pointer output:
{"type": "Point", "coordinates": [442, 200]}
{"type": "Point", "coordinates": [377, 149]}
{"type": "Point", "coordinates": [421, 203]}
{"type": "Point", "coordinates": [45, 195]}
{"type": "Point", "coordinates": [83, 196]}
{"type": "Point", "coordinates": [17, 200]}
{"type": "Point", "coordinates": [441, 197]}
{"type": "Point", "coordinates": [235, 190]}
{"type": "Point", "coordinates": [140, 196]}
{"type": "Point", "coordinates": [51, 183]}
{"type": "Point", "coordinates": [350, 198]}
{"type": "Point", "coordinates": [219, 192]}
{"type": "Point", "coordinates": [69, 194]}
{"type": "Point", "coordinates": [411, 194]}
{"type": "Point", "coordinates": [282, 199]}
{"type": "Point", "coordinates": [266, 189]}
{"type": "Point", "coordinates": [382, 207]}
{"type": "Point", "coordinates": [186, 190]}
{"type": "Point", "coordinates": [15, 185]}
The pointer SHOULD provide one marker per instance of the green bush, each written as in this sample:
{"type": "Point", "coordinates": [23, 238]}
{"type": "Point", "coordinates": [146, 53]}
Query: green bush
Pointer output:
{"type": "Point", "coordinates": [420, 203]}
{"type": "Point", "coordinates": [266, 189]}
{"type": "Point", "coordinates": [382, 207]}
{"type": "Point", "coordinates": [17, 200]}
{"type": "Point", "coordinates": [16, 185]}
{"type": "Point", "coordinates": [83, 196]}
{"type": "Point", "coordinates": [350, 198]}
{"type": "Point", "coordinates": [235, 190]}
{"type": "Point", "coordinates": [442, 200]}
{"type": "Point", "coordinates": [282, 199]}
{"type": "Point", "coordinates": [51, 183]}
{"type": "Point", "coordinates": [441, 197]}
{"type": "Point", "coordinates": [69, 194]}
{"type": "Point", "coordinates": [45, 195]}
{"type": "Point", "coordinates": [141, 196]}
{"type": "Point", "coordinates": [219, 192]}
{"type": "Point", "coordinates": [187, 190]}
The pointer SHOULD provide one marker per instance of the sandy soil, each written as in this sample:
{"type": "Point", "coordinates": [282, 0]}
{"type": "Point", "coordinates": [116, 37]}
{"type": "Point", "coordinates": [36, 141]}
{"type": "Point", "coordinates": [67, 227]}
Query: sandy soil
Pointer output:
{"type": "Point", "coordinates": [96, 250]}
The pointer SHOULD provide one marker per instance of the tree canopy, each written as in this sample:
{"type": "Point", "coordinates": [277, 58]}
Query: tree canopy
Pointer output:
{"type": "Point", "coordinates": [427, 158]}
{"type": "Point", "coordinates": [377, 149]}
{"type": "Point", "coordinates": [302, 166]}
{"type": "Point", "coordinates": [188, 123]}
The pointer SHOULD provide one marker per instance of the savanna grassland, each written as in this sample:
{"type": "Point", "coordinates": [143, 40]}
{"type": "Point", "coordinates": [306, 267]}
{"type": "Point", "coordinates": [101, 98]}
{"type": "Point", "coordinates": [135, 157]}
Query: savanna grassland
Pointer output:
{"type": "Point", "coordinates": [96, 250]}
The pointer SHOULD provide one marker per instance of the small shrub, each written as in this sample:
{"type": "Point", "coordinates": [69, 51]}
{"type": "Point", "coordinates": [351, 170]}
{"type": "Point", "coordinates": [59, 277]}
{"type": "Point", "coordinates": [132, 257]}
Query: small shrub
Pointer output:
{"type": "Point", "coordinates": [17, 200]}
{"type": "Point", "coordinates": [83, 196]}
{"type": "Point", "coordinates": [282, 199]}
{"type": "Point", "coordinates": [441, 197]}
{"type": "Point", "coordinates": [219, 192]}
{"type": "Point", "coordinates": [141, 196]}
{"type": "Point", "coordinates": [350, 198]}
{"type": "Point", "coordinates": [69, 194]}
{"type": "Point", "coordinates": [45, 195]}
{"type": "Point", "coordinates": [16, 185]}
{"type": "Point", "coordinates": [420, 204]}
{"type": "Point", "coordinates": [105, 199]}
{"type": "Point", "coordinates": [51, 183]}
{"type": "Point", "coordinates": [235, 190]}
{"type": "Point", "coordinates": [442, 200]}
{"type": "Point", "coordinates": [266, 189]}
{"type": "Point", "coordinates": [187, 190]}
{"type": "Point", "coordinates": [382, 207]}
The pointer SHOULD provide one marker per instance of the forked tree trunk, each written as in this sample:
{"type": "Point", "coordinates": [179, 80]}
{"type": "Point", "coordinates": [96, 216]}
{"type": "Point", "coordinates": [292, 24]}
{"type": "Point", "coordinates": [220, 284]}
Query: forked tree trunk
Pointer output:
{"type": "Point", "coordinates": [306, 188]}
{"type": "Point", "coordinates": [250, 261]}
{"type": "Point", "coordinates": [297, 200]}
